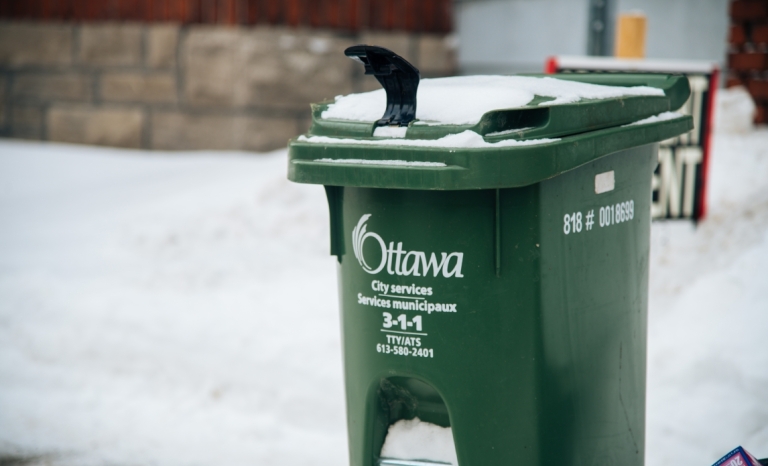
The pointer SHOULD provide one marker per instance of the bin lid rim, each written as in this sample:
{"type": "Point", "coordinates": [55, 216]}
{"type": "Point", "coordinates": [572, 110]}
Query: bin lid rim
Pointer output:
{"type": "Point", "coordinates": [461, 169]}
{"type": "Point", "coordinates": [466, 140]}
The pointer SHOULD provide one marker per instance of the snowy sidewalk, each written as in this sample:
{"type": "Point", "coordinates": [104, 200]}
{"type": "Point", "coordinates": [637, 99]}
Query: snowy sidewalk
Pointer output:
{"type": "Point", "coordinates": [166, 309]}
{"type": "Point", "coordinates": [176, 309]}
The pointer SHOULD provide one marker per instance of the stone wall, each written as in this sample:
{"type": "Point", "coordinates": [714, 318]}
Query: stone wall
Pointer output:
{"type": "Point", "coordinates": [170, 87]}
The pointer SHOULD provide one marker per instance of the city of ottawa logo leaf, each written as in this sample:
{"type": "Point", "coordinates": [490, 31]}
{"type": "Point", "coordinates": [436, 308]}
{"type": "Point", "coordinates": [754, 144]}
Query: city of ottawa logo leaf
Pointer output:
{"type": "Point", "coordinates": [398, 261]}
{"type": "Point", "coordinates": [359, 235]}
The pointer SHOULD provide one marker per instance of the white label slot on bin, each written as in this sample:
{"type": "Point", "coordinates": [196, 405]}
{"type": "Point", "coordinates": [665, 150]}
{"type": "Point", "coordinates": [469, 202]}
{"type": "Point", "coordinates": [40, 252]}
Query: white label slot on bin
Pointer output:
{"type": "Point", "coordinates": [604, 182]}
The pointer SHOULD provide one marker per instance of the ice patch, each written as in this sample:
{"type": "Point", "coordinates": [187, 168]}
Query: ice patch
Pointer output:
{"type": "Point", "coordinates": [418, 440]}
{"type": "Point", "coordinates": [464, 140]}
{"type": "Point", "coordinates": [656, 118]}
{"type": "Point", "coordinates": [463, 100]}
{"type": "Point", "coordinates": [401, 163]}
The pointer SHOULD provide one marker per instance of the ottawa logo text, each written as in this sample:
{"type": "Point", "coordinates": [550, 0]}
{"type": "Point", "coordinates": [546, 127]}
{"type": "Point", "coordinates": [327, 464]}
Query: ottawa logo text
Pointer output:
{"type": "Point", "coordinates": [400, 262]}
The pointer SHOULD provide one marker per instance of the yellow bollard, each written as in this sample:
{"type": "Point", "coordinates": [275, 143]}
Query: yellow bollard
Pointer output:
{"type": "Point", "coordinates": [630, 35]}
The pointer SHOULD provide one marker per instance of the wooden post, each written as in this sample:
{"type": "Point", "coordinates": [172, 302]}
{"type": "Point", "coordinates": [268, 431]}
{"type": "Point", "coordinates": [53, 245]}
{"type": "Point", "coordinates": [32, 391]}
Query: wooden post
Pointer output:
{"type": "Point", "coordinates": [630, 35]}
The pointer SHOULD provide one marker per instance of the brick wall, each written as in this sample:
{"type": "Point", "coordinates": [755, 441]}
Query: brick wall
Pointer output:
{"type": "Point", "coordinates": [417, 16]}
{"type": "Point", "coordinates": [165, 86]}
{"type": "Point", "coordinates": [748, 55]}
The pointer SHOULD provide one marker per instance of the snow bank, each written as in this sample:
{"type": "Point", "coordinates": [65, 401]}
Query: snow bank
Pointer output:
{"type": "Point", "coordinates": [165, 308]}
{"type": "Point", "coordinates": [735, 111]}
{"type": "Point", "coordinates": [418, 440]}
{"type": "Point", "coordinates": [707, 378]}
{"type": "Point", "coordinates": [464, 140]}
{"type": "Point", "coordinates": [463, 100]}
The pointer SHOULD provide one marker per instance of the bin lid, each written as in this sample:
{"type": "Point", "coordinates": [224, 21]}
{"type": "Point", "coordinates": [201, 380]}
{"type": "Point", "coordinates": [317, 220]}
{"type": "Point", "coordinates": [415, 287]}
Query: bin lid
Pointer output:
{"type": "Point", "coordinates": [477, 132]}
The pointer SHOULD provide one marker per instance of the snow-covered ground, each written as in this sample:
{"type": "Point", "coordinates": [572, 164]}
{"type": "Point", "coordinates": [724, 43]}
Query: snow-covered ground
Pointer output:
{"type": "Point", "coordinates": [168, 309]}
{"type": "Point", "coordinates": [708, 317]}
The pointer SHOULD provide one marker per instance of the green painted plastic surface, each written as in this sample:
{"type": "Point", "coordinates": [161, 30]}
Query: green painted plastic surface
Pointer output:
{"type": "Point", "coordinates": [542, 363]}
{"type": "Point", "coordinates": [501, 296]}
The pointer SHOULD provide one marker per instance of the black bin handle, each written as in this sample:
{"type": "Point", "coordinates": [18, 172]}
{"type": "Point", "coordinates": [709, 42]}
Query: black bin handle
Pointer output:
{"type": "Point", "coordinates": [399, 79]}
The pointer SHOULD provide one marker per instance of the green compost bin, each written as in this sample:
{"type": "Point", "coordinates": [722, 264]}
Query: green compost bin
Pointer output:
{"type": "Point", "coordinates": [498, 289]}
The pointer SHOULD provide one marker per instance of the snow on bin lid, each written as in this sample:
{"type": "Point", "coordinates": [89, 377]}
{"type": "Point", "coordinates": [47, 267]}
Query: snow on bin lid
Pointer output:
{"type": "Point", "coordinates": [464, 100]}
{"type": "Point", "coordinates": [479, 132]}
